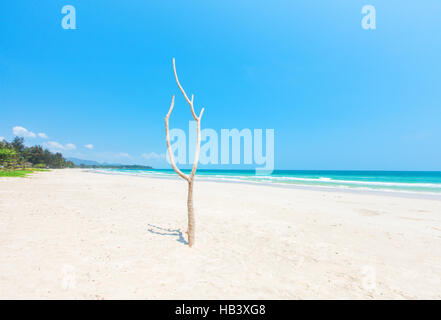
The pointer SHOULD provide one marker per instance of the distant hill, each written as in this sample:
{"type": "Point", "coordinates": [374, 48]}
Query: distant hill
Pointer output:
{"type": "Point", "coordinates": [78, 162]}
{"type": "Point", "coordinates": [94, 164]}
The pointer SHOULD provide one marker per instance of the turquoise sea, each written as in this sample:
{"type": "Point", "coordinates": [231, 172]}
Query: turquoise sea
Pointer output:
{"type": "Point", "coordinates": [428, 182]}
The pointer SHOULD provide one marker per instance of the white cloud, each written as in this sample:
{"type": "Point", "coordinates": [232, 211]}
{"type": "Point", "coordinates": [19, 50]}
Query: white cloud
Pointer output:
{"type": "Point", "coordinates": [152, 156]}
{"type": "Point", "coordinates": [22, 132]}
{"type": "Point", "coordinates": [89, 146]}
{"type": "Point", "coordinates": [53, 145]}
{"type": "Point", "coordinates": [2, 138]}
{"type": "Point", "coordinates": [123, 155]}
{"type": "Point", "coordinates": [70, 146]}
{"type": "Point", "coordinates": [42, 135]}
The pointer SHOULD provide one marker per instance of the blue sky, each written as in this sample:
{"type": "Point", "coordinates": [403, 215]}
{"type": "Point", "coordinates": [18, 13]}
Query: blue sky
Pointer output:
{"type": "Point", "coordinates": [337, 96]}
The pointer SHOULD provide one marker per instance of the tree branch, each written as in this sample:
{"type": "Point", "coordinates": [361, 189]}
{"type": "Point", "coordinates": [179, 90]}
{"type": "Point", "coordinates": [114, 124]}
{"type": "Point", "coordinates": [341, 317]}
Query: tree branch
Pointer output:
{"type": "Point", "coordinates": [196, 153]}
{"type": "Point", "coordinates": [167, 134]}
{"type": "Point", "coordinates": [190, 102]}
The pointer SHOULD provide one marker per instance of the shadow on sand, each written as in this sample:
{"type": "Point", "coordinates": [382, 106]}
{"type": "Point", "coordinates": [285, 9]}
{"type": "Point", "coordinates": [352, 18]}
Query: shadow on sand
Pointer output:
{"type": "Point", "coordinates": [168, 232]}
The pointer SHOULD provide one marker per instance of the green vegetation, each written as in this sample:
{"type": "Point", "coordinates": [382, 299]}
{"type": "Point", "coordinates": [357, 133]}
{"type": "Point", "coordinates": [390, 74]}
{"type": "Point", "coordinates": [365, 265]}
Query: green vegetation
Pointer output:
{"type": "Point", "coordinates": [90, 164]}
{"type": "Point", "coordinates": [7, 155]}
{"type": "Point", "coordinates": [15, 173]}
{"type": "Point", "coordinates": [19, 172]}
{"type": "Point", "coordinates": [40, 165]}
{"type": "Point", "coordinates": [17, 160]}
{"type": "Point", "coordinates": [115, 166]}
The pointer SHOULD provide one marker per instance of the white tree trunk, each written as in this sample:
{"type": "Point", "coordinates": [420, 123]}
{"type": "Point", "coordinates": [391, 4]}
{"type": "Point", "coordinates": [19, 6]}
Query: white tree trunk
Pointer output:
{"type": "Point", "coordinates": [191, 219]}
{"type": "Point", "coordinates": [190, 178]}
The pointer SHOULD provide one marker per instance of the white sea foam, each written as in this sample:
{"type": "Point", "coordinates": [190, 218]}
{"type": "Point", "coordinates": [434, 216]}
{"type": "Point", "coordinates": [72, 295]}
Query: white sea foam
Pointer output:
{"type": "Point", "coordinates": [322, 182]}
{"type": "Point", "coordinates": [336, 181]}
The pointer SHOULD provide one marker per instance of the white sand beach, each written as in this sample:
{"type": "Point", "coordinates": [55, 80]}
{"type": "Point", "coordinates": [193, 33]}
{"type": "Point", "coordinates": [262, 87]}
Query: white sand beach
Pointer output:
{"type": "Point", "coordinates": [83, 235]}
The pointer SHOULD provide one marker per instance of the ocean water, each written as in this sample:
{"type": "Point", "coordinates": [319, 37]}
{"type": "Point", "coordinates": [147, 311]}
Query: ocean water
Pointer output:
{"type": "Point", "coordinates": [428, 182]}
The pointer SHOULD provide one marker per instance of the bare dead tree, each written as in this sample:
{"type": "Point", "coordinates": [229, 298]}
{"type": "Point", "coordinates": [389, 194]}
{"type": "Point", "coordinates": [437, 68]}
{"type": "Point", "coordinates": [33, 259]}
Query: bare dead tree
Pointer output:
{"type": "Point", "coordinates": [189, 178]}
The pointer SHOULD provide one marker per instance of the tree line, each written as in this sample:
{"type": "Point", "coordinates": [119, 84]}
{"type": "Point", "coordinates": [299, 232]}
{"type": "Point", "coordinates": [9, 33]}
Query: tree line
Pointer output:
{"type": "Point", "coordinates": [15, 154]}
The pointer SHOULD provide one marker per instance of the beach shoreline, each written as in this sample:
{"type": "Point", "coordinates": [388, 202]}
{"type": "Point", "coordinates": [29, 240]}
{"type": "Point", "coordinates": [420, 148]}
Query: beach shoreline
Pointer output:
{"type": "Point", "coordinates": [386, 193]}
{"type": "Point", "coordinates": [77, 234]}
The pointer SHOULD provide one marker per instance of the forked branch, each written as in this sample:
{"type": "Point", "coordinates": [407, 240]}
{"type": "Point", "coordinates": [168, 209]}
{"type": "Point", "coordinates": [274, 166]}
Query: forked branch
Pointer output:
{"type": "Point", "coordinates": [167, 134]}
{"type": "Point", "coordinates": [189, 178]}
{"type": "Point", "coordinates": [190, 102]}
{"type": "Point", "coordinates": [197, 119]}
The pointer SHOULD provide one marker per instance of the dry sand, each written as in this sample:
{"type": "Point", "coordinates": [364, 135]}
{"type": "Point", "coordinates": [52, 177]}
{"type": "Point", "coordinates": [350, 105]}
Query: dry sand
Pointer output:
{"type": "Point", "coordinates": [83, 235]}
